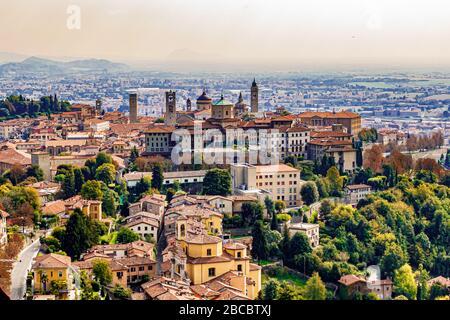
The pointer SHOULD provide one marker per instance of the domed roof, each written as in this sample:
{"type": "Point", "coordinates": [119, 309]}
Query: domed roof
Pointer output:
{"type": "Point", "coordinates": [204, 97]}
{"type": "Point", "coordinates": [223, 102]}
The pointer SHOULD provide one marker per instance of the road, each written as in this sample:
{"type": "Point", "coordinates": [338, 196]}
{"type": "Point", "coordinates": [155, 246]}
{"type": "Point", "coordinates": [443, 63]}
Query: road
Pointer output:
{"type": "Point", "coordinates": [21, 268]}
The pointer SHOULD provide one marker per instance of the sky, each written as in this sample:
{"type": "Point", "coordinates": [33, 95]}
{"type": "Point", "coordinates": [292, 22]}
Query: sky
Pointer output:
{"type": "Point", "coordinates": [241, 32]}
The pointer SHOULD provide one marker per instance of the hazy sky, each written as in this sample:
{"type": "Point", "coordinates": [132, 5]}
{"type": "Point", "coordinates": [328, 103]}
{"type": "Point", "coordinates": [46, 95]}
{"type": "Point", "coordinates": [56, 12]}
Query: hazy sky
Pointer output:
{"type": "Point", "coordinates": [233, 31]}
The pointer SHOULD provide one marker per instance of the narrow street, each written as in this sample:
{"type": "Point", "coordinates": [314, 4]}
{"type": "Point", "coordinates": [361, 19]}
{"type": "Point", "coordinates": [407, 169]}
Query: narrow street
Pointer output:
{"type": "Point", "coordinates": [21, 268]}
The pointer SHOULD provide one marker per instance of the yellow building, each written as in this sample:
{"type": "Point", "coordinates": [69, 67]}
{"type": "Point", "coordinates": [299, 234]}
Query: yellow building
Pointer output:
{"type": "Point", "coordinates": [207, 257]}
{"type": "Point", "coordinates": [91, 208]}
{"type": "Point", "coordinates": [52, 268]}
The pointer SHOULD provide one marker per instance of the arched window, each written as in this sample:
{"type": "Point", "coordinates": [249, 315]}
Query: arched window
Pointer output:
{"type": "Point", "coordinates": [182, 230]}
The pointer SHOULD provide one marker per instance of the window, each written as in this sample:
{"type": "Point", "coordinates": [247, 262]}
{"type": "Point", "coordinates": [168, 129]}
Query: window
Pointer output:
{"type": "Point", "coordinates": [141, 268]}
{"type": "Point", "coordinates": [60, 274]}
{"type": "Point", "coordinates": [208, 252]}
{"type": "Point", "coordinates": [212, 272]}
{"type": "Point", "coordinates": [119, 275]}
{"type": "Point", "coordinates": [239, 254]}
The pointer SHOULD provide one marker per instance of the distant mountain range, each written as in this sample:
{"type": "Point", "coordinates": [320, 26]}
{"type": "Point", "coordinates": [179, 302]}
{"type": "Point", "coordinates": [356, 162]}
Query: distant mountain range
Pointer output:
{"type": "Point", "coordinates": [50, 67]}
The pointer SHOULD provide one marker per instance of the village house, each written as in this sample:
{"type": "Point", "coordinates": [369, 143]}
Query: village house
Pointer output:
{"type": "Point", "coordinates": [91, 208]}
{"type": "Point", "coordinates": [356, 192]}
{"type": "Point", "coordinates": [311, 230]}
{"type": "Point", "coordinates": [47, 190]}
{"type": "Point", "coordinates": [134, 249]}
{"type": "Point", "coordinates": [52, 268]}
{"type": "Point", "coordinates": [349, 285]}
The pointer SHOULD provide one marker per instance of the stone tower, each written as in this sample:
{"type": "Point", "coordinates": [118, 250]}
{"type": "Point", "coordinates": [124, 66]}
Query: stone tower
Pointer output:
{"type": "Point", "coordinates": [254, 97]}
{"type": "Point", "coordinates": [133, 107]}
{"type": "Point", "coordinates": [98, 107]}
{"type": "Point", "coordinates": [188, 105]}
{"type": "Point", "coordinates": [170, 117]}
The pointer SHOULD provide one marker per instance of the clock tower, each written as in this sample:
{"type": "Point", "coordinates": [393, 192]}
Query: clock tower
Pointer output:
{"type": "Point", "coordinates": [254, 97]}
{"type": "Point", "coordinates": [170, 117]}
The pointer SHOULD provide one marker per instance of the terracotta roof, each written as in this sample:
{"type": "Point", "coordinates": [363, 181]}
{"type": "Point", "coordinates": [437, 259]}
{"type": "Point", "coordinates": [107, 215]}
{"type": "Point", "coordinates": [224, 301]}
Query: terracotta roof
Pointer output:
{"type": "Point", "coordinates": [203, 260]}
{"type": "Point", "coordinates": [51, 260]}
{"type": "Point", "coordinates": [12, 157]}
{"type": "Point", "coordinates": [350, 279]}
{"type": "Point", "coordinates": [357, 186]}
{"type": "Point", "coordinates": [441, 280]}
{"type": "Point", "coordinates": [53, 208]}
{"type": "Point", "coordinates": [330, 142]}
{"type": "Point", "coordinates": [331, 115]}
{"type": "Point", "coordinates": [234, 246]}
{"type": "Point", "coordinates": [275, 168]}
{"type": "Point", "coordinates": [203, 239]}
{"type": "Point", "coordinates": [325, 134]}
{"type": "Point", "coordinates": [160, 129]}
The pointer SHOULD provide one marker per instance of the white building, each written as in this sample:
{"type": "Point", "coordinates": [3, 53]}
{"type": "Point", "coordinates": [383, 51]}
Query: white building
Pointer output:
{"type": "Point", "coordinates": [356, 192]}
{"type": "Point", "coordinates": [309, 229]}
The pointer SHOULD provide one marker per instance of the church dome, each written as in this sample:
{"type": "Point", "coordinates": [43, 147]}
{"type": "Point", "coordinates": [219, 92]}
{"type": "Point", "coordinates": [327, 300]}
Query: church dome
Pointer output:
{"type": "Point", "coordinates": [204, 97]}
{"type": "Point", "coordinates": [223, 102]}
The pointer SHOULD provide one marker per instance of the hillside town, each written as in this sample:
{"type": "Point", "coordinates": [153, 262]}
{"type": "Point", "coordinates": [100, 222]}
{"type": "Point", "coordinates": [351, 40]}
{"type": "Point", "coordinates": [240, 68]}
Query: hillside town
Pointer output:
{"type": "Point", "coordinates": [219, 200]}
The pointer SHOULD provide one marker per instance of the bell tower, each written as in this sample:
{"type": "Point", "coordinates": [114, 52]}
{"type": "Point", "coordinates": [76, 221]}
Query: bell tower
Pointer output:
{"type": "Point", "coordinates": [170, 117]}
{"type": "Point", "coordinates": [254, 97]}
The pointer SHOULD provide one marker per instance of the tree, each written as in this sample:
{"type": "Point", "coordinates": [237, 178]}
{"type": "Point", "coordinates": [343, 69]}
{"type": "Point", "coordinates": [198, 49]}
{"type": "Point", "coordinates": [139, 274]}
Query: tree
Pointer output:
{"type": "Point", "coordinates": [271, 290]}
{"type": "Point", "coordinates": [404, 282]}
{"type": "Point", "coordinates": [126, 235]}
{"type": "Point", "coordinates": [35, 171]}
{"type": "Point", "coordinates": [268, 203]}
{"type": "Point", "coordinates": [170, 193]}
{"type": "Point", "coordinates": [325, 210]}
{"type": "Point", "coordinates": [121, 292]}
{"type": "Point", "coordinates": [110, 200]}
{"type": "Point", "coordinates": [323, 187]}
{"type": "Point", "coordinates": [217, 182]}
{"type": "Point", "coordinates": [157, 177]}
{"type": "Point", "coordinates": [393, 258]}
{"type": "Point", "coordinates": [79, 179]}
{"type": "Point", "coordinates": [134, 155]}
{"type": "Point", "coordinates": [377, 183]}
{"type": "Point", "coordinates": [335, 180]}
{"type": "Point", "coordinates": [287, 291]}
{"type": "Point", "coordinates": [251, 212]}
{"type": "Point", "coordinates": [80, 234]}
{"type": "Point", "coordinates": [315, 288]}
{"type": "Point", "coordinates": [285, 244]}
{"type": "Point", "coordinates": [260, 250]}
{"type": "Point", "coordinates": [363, 175]}
{"type": "Point", "coordinates": [16, 174]}
{"type": "Point", "coordinates": [373, 158]}
{"type": "Point", "coordinates": [102, 273]}
{"type": "Point", "coordinates": [143, 186]}
{"type": "Point", "coordinates": [390, 174]}
{"type": "Point", "coordinates": [280, 205]}
{"type": "Point", "coordinates": [25, 215]}
{"type": "Point", "coordinates": [106, 173]}
{"type": "Point", "coordinates": [68, 185]}
{"type": "Point", "coordinates": [101, 159]}
{"type": "Point", "coordinates": [309, 193]}
{"type": "Point", "coordinates": [291, 160]}
{"type": "Point", "coordinates": [92, 190]}
{"type": "Point", "coordinates": [299, 244]}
